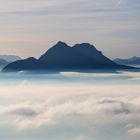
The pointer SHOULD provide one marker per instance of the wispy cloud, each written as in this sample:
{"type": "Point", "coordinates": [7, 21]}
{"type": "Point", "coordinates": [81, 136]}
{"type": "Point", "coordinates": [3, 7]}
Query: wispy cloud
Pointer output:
{"type": "Point", "coordinates": [38, 24]}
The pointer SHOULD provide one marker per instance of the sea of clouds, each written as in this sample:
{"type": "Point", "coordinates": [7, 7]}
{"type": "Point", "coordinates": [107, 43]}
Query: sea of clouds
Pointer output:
{"type": "Point", "coordinates": [72, 110]}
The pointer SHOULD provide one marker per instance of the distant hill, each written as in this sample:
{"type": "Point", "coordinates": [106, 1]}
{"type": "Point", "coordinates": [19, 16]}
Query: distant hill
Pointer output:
{"type": "Point", "coordinates": [24, 65]}
{"type": "Point", "coordinates": [129, 61]}
{"type": "Point", "coordinates": [3, 63]}
{"type": "Point", "coordinates": [10, 58]}
{"type": "Point", "coordinates": [62, 57]}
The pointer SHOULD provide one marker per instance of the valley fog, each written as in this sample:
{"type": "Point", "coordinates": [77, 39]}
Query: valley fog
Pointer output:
{"type": "Point", "coordinates": [70, 105]}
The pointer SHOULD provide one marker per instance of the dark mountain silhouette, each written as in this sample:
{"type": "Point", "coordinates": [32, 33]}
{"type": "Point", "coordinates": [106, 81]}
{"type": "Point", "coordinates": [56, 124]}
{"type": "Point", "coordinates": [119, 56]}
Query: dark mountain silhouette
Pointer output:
{"type": "Point", "coordinates": [10, 58]}
{"type": "Point", "coordinates": [24, 65]}
{"type": "Point", "coordinates": [129, 61]}
{"type": "Point", "coordinates": [63, 57]}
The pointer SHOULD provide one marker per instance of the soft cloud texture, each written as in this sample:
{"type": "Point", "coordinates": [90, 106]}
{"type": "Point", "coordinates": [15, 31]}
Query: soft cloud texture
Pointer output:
{"type": "Point", "coordinates": [70, 106]}
{"type": "Point", "coordinates": [34, 116]}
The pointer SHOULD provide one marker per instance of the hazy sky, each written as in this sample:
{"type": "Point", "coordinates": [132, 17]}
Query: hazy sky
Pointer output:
{"type": "Point", "coordinates": [30, 27]}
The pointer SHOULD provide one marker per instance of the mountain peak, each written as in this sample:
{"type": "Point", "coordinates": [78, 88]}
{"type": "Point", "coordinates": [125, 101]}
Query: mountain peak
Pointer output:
{"type": "Point", "coordinates": [31, 59]}
{"type": "Point", "coordinates": [64, 57]}
{"type": "Point", "coordinates": [85, 46]}
{"type": "Point", "coordinates": [61, 44]}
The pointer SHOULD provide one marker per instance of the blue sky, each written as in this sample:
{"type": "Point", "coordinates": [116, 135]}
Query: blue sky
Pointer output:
{"type": "Point", "coordinates": [30, 27]}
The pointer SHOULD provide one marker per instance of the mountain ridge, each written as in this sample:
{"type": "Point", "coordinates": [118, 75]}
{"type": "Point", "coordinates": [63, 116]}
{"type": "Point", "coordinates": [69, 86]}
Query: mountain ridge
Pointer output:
{"type": "Point", "coordinates": [128, 61]}
{"type": "Point", "coordinates": [3, 63]}
{"type": "Point", "coordinates": [62, 57]}
{"type": "Point", "coordinates": [10, 58]}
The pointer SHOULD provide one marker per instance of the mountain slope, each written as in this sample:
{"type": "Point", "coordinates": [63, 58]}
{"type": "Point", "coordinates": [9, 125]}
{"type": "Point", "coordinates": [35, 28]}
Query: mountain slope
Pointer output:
{"type": "Point", "coordinates": [63, 57]}
{"type": "Point", "coordinates": [24, 65]}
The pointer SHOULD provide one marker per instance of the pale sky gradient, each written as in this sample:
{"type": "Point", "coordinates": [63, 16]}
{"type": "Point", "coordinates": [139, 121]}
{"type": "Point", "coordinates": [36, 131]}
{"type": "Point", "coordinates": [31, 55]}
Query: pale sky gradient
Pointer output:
{"type": "Point", "coordinates": [30, 27]}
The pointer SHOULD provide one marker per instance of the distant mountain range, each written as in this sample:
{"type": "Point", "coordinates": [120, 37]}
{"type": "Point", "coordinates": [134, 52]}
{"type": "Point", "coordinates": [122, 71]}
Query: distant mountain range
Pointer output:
{"type": "Point", "coordinates": [129, 61]}
{"type": "Point", "coordinates": [6, 59]}
{"type": "Point", "coordinates": [3, 62]}
{"type": "Point", "coordinates": [62, 57]}
{"type": "Point", "coordinates": [10, 58]}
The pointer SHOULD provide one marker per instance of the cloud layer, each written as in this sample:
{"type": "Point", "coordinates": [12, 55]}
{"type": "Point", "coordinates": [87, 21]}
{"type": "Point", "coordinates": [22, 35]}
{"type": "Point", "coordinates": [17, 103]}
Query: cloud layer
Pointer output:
{"type": "Point", "coordinates": [64, 109]}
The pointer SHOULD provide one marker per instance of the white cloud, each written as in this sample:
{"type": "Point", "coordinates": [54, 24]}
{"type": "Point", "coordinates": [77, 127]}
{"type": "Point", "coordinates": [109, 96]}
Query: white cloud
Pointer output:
{"type": "Point", "coordinates": [79, 111]}
{"type": "Point", "coordinates": [133, 129]}
{"type": "Point", "coordinates": [36, 115]}
{"type": "Point", "coordinates": [81, 138]}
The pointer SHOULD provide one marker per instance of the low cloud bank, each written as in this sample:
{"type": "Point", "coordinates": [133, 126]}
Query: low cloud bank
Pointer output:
{"type": "Point", "coordinates": [78, 111]}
